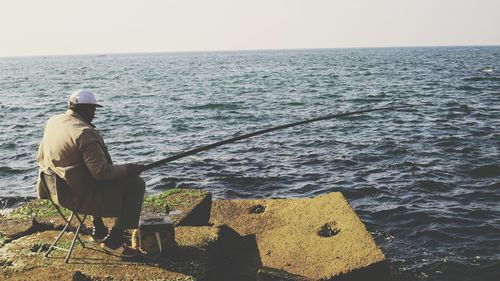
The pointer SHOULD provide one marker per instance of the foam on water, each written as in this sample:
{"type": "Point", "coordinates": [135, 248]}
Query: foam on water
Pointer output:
{"type": "Point", "coordinates": [424, 180]}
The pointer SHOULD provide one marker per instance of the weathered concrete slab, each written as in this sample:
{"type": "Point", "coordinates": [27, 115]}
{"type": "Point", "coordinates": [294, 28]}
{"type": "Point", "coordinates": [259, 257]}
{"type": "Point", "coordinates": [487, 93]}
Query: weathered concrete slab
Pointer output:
{"type": "Point", "coordinates": [203, 238]}
{"type": "Point", "coordinates": [22, 259]}
{"type": "Point", "coordinates": [271, 274]}
{"type": "Point", "coordinates": [287, 236]}
{"type": "Point", "coordinates": [203, 243]}
{"type": "Point", "coordinates": [185, 207]}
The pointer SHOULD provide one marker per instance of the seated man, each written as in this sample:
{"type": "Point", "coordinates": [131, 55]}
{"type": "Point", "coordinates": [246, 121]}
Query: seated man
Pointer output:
{"type": "Point", "coordinates": [90, 183]}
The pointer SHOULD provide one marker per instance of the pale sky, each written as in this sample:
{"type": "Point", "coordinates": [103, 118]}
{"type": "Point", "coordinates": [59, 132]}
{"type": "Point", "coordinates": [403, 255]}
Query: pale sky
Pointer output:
{"type": "Point", "coordinates": [56, 27]}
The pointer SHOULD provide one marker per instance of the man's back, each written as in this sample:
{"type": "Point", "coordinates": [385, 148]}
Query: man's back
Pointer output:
{"type": "Point", "coordinates": [75, 151]}
{"type": "Point", "coordinates": [59, 148]}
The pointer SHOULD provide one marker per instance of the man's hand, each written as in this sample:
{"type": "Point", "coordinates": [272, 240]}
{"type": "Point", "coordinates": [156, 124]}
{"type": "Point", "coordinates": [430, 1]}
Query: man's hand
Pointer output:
{"type": "Point", "coordinates": [134, 169]}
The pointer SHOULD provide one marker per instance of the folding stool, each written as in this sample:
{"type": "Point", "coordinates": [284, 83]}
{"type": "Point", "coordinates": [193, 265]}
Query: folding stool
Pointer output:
{"type": "Point", "coordinates": [51, 192]}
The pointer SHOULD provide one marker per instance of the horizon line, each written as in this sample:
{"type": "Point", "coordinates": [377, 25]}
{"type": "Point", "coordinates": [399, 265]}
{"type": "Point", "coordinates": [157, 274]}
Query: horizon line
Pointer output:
{"type": "Point", "coordinates": [241, 50]}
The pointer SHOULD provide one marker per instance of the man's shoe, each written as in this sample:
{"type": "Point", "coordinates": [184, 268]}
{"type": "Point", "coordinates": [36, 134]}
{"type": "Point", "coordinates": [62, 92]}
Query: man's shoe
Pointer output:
{"type": "Point", "coordinates": [99, 234]}
{"type": "Point", "coordinates": [122, 251]}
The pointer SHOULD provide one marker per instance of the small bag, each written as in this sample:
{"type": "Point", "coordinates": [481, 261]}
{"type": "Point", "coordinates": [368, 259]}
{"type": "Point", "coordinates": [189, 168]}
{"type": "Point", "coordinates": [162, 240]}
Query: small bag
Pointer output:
{"type": "Point", "coordinates": [155, 236]}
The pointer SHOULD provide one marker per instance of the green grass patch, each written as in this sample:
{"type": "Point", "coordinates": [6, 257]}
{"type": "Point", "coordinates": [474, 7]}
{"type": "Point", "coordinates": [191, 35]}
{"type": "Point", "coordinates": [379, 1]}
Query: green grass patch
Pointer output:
{"type": "Point", "coordinates": [170, 199]}
{"type": "Point", "coordinates": [42, 247]}
{"type": "Point", "coordinates": [35, 208]}
{"type": "Point", "coordinates": [4, 240]}
{"type": "Point", "coordinates": [160, 203]}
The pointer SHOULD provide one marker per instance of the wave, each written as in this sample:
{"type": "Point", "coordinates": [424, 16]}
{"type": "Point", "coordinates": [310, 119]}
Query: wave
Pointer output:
{"type": "Point", "coordinates": [448, 141]}
{"type": "Point", "coordinates": [20, 126]}
{"type": "Point", "coordinates": [249, 180]}
{"type": "Point", "coordinates": [362, 192]}
{"type": "Point", "coordinates": [6, 170]}
{"type": "Point", "coordinates": [468, 88]}
{"type": "Point", "coordinates": [482, 78]}
{"type": "Point", "coordinates": [485, 171]}
{"type": "Point", "coordinates": [212, 106]}
{"type": "Point", "coordinates": [8, 145]}
{"type": "Point", "coordinates": [12, 202]}
{"type": "Point", "coordinates": [466, 270]}
{"type": "Point", "coordinates": [173, 182]}
{"type": "Point", "coordinates": [430, 184]}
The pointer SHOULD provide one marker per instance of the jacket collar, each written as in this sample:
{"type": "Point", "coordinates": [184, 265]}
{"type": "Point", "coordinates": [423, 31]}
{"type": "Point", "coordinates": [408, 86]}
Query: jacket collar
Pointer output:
{"type": "Point", "coordinates": [74, 114]}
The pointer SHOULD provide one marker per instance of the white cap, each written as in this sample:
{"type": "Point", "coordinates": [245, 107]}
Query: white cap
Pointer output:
{"type": "Point", "coordinates": [83, 97]}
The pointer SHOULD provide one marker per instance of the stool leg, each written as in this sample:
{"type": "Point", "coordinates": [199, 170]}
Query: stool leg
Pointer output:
{"type": "Point", "coordinates": [60, 235]}
{"type": "Point", "coordinates": [81, 221]}
{"type": "Point", "coordinates": [73, 243]}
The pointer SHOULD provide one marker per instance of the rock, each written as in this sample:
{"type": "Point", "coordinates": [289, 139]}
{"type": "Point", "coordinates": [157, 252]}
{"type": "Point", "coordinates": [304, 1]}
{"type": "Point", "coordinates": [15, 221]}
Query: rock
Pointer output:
{"type": "Point", "coordinates": [270, 274]}
{"type": "Point", "coordinates": [203, 238]}
{"type": "Point", "coordinates": [238, 257]}
{"type": "Point", "coordinates": [240, 214]}
{"type": "Point", "coordinates": [33, 216]}
{"type": "Point", "coordinates": [309, 239]}
{"type": "Point", "coordinates": [185, 207]}
{"type": "Point", "coordinates": [4, 240]}
{"type": "Point", "coordinates": [12, 202]}
{"type": "Point", "coordinates": [26, 230]}
{"type": "Point", "coordinates": [201, 244]}
{"type": "Point", "coordinates": [22, 259]}
{"type": "Point", "coordinates": [188, 207]}
{"type": "Point", "coordinates": [289, 236]}
{"type": "Point", "coordinates": [15, 228]}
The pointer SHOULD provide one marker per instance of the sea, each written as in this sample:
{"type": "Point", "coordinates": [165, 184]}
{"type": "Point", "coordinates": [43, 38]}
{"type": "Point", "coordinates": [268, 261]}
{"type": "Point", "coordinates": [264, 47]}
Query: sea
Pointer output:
{"type": "Point", "coordinates": [424, 179]}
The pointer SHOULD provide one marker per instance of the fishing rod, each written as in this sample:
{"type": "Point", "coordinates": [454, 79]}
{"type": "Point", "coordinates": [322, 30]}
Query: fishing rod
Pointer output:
{"type": "Point", "coordinates": [260, 132]}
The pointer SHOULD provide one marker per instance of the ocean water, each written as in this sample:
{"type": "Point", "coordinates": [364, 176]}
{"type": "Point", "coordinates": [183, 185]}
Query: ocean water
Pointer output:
{"type": "Point", "coordinates": [425, 180]}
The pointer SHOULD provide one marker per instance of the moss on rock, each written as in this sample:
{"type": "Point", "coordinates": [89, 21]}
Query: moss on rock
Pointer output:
{"type": "Point", "coordinates": [4, 240]}
{"type": "Point", "coordinates": [158, 203]}
{"type": "Point", "coordinates": [39, 214]}
{"type": "Point", "coordinates": [161, 203]}
{"type": "Point", "coordinates": [171, 199]}
{"type": "Point", "coordinates": [23, 260]}
{"type": "Point", "coordinates": [33, 216]}
{"type": "Point", "coordinates": [38, 208]}
{"type": "Point", "coordinates": [202, 237]}
{"type": "Point", "coordinates": [184, 206]}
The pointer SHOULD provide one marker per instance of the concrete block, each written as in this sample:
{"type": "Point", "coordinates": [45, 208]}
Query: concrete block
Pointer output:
{"type": "Point", "coordinates": [185, 207]}
{"type": "Point", "coordinates": [318, 238]}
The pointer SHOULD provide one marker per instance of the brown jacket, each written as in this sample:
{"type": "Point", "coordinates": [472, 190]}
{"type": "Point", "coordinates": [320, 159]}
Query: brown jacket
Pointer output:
{"type": "Point", "coordinates": [75, 151]}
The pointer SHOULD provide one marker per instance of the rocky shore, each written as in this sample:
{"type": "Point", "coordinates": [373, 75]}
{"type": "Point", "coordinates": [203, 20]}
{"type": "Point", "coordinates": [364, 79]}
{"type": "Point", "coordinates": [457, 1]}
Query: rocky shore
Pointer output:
{"type": "Point", "coordinates": [318, 238]}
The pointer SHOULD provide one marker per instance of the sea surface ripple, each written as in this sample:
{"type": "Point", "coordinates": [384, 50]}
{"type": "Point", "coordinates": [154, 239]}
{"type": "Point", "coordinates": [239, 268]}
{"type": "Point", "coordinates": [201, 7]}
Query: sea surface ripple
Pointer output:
{"type": "Point", "coordinates": [424, 180]}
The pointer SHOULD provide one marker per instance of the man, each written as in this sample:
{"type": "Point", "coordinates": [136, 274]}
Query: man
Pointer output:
{"type": "Point", "coordinates": [89, 182]}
